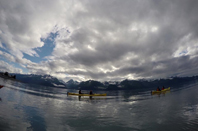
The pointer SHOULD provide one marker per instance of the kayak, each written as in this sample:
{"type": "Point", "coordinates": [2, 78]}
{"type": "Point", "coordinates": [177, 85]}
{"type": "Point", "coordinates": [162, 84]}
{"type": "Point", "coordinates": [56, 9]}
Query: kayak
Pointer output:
{"type": "Point", "coordinates": [77, 94]}
{"type": "Point", "coordinates": [162, 91]}
{"type": "Point", "coordinates": [1, 86]}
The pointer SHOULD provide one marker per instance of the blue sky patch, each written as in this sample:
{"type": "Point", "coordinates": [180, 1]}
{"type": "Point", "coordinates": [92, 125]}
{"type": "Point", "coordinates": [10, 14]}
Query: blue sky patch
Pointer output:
{"type": "Point", "coordinates": [183, 52]}
{"type": "Point", "coordinates": [44, 51]}
{"type": "Point", "coordinates": [4, 50]}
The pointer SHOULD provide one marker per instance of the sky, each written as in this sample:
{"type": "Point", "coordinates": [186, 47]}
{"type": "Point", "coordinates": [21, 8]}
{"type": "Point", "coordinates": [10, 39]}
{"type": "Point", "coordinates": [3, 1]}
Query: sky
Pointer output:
{"type": "Point", "coordinates": [99, 39]}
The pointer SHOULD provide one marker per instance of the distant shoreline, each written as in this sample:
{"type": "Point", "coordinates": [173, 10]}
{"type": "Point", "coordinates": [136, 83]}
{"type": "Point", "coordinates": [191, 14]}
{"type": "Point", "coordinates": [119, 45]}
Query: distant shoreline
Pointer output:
{"type": "Point", "coordinates": [8, 77]}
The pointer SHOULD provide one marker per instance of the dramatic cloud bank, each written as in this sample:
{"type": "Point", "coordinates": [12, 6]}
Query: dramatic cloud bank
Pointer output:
{"type": "Point", "coordinates": [100, 40]}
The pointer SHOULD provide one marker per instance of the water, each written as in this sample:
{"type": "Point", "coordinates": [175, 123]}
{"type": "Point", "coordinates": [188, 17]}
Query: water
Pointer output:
{"type": "Point", "coordinates": [26, 107]}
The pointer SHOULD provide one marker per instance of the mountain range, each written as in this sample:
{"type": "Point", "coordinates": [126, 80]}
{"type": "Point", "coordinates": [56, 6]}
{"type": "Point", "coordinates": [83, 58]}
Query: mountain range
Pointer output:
{"type": "Point", "coordinates": [47, 80]}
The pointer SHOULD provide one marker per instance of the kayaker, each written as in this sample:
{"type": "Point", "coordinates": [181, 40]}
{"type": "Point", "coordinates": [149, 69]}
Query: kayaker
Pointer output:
{"type": "Point", "coordinates": [90, 92]}
{"type": "Point", "coordinates": [163, 88]}
{"type": "Point", "coordinates": [158, 89]}
{"type": "Point", "coordinates": [79, 92]}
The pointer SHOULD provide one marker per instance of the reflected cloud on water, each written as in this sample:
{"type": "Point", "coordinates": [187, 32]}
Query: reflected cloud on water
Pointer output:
{"type": "Point", "coordinates": [28, 108]}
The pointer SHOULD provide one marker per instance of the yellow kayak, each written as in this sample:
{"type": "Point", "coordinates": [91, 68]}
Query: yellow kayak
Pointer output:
{"type": "Point", "coordinates": [162, 91]}
{"type": "Point", "coordinates": [69, 93]}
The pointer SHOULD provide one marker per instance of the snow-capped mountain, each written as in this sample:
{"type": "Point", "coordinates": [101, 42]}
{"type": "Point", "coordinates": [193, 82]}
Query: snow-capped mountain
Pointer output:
{"type": "Point", "coordinates": [45, 80]}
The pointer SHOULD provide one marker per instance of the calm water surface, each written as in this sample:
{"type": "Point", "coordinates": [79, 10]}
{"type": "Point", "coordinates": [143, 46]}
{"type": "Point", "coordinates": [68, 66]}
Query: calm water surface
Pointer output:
{"type": "Point", "coordinates": [26, 107]}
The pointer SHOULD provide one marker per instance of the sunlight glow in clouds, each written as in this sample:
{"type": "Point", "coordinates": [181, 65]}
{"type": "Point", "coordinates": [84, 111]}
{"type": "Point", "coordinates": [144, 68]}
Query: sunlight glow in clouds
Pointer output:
{"type": "Point", "coordinates": [138, 27]}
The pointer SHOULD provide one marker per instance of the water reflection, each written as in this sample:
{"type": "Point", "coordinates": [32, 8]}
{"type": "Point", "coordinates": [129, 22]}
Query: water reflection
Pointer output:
{"type": "Point", "coordinates": [80, 98]}
{"type": "Point", "coordinates": [91, 98]}
{"type": "Point", "coordinates": [27, 107]}
{"type": "Point", "coordinates": [4, 124]}
{"type": "Point", "coordinates": [36, 120]}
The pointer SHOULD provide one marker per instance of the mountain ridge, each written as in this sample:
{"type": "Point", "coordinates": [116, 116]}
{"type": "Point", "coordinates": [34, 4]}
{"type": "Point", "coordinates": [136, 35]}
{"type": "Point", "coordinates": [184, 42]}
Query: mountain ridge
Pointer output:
{"type": "Point", "coordinates": [47, 80]}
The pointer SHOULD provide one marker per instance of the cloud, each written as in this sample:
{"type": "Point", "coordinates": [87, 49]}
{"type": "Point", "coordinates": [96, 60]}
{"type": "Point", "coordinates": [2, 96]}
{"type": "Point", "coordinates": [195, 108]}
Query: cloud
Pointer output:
{"type": "Point", "coordinates": [6, 67]}
{"type": "Point", "coordinates": [104, 40]}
